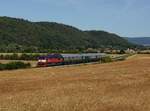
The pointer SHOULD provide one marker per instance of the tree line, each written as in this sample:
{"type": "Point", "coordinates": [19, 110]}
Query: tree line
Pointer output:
{"type": "Point", "coordinates": [16, 56]}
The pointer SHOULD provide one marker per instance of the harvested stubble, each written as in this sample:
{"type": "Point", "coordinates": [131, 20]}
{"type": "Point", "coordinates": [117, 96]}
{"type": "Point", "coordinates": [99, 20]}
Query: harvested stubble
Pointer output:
{"type": "Point", "coordinates": [119, 86]}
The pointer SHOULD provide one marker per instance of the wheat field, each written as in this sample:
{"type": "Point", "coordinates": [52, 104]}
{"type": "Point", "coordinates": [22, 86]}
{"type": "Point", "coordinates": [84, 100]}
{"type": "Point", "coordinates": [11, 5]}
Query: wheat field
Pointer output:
{"type": "Point", "coordinates": [118, 86]}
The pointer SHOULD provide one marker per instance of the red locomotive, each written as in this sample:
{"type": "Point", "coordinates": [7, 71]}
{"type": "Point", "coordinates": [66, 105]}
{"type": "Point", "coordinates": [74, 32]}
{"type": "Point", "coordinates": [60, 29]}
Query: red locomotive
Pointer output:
{"type": "Point", "coordinates": [52, 59]}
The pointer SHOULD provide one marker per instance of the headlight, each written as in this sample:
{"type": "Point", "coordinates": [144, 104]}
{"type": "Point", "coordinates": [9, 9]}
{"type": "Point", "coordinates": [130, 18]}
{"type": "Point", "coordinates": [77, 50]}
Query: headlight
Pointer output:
{"type": "Point", "coordinates": [41, 60]}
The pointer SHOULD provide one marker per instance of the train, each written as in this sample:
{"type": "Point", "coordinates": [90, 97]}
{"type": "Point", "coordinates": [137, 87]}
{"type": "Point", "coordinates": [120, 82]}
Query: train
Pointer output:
{"type": "Point", "coordinates": [64, 59]}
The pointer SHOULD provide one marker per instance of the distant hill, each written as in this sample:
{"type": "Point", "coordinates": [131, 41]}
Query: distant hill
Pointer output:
{"type": "Point", "coordinates": [140, 40]}
{"type": "Point", "coordinates": [19, 35]}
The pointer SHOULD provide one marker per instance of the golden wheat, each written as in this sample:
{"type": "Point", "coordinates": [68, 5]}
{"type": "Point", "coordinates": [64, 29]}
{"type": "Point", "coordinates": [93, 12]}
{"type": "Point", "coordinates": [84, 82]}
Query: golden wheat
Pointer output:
{"type": "Point", "coordinates": [119, 86]}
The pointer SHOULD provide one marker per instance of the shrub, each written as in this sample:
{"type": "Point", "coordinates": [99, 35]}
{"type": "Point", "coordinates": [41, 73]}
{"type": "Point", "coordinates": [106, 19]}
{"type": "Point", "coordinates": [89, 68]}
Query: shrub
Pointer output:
{"type": "Point", "coordinates": [2, 66]}
{"type": "Point", "coordinates": [106, 59]}
{"type": "Point", "coordinates": [122, 52]}
{"type": "Point", "coordinates": [14, 65]}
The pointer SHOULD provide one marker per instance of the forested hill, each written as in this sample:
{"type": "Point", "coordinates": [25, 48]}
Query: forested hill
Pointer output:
{"type": "Point", "coordinates": [105, 39]}
{"type": "Point", "coordinates": [19, 35]}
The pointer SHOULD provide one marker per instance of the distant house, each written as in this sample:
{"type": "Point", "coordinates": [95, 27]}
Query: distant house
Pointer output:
{"type": "Point", "coordinates": [130, 51]}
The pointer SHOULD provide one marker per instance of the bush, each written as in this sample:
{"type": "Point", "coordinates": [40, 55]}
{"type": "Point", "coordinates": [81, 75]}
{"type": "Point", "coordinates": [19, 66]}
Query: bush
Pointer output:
{"type": "Point", "coordinates": [14, 65]}
{"type": "Point", "coordinates": [106, 59]}
{"type": "Point", "coordinates": [2, 66]}
{"type": "Point", "coordinates": [122, 52]}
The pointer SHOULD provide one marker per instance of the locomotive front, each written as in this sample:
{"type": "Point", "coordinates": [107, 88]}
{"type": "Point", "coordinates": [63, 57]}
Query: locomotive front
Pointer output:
{"type": "Point", "coordinates": [50, 60]}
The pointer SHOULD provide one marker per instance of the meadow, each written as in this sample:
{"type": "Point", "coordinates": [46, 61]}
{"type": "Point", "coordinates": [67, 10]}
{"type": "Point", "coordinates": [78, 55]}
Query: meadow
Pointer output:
{"type": "Point", "coordinates": [116, 86]}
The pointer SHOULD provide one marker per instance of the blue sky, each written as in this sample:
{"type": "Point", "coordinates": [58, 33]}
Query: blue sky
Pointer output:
{"type": "Point", "coordinates": [130, 18]}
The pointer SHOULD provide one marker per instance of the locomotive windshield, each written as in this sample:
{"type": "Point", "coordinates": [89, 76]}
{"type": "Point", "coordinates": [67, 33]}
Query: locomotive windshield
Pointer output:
{"type": "Point", "coordinates": [42, 59]}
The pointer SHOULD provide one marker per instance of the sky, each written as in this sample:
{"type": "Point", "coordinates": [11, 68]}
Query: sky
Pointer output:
{"type": "Point", "coordinates": [128, 18]}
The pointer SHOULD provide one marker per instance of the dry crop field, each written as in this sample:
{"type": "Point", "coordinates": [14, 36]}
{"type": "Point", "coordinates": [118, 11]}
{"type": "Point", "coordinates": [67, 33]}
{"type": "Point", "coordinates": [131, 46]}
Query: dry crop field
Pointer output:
{"type": "Point", "coordinates": [119, 86]}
